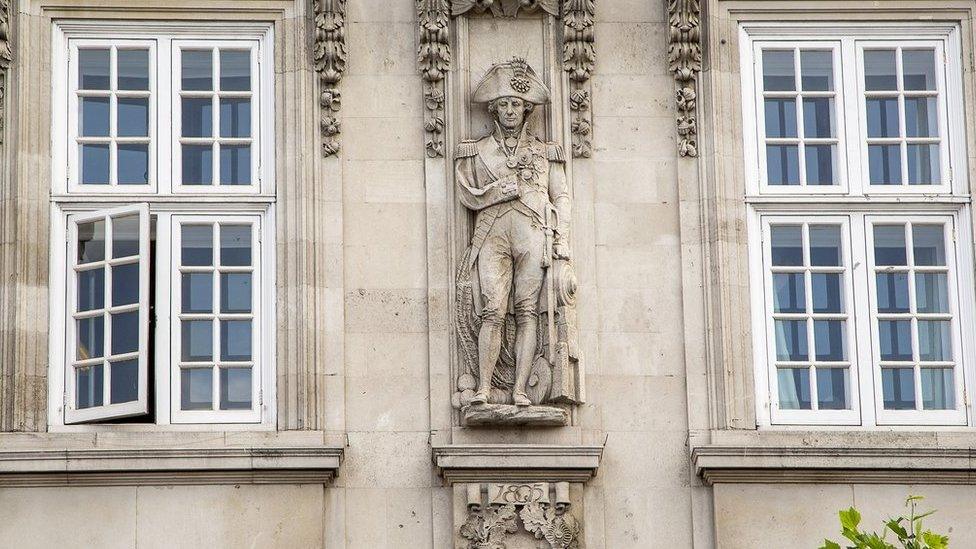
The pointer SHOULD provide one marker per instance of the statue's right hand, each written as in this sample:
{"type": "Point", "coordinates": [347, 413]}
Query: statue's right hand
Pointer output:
{"type": "Point", "coordinates": [509, 186]}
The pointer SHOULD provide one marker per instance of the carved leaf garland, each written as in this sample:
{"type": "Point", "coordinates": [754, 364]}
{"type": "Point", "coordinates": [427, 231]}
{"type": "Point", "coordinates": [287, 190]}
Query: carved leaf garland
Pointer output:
{"type": "Point", "coordinates": [6, 58]}
{"type": "Point", "coordinates": [685, 62]}
{"type": "Point", "coordinates": [329, 58]}
{"type": "Point", "coordinates": [579, 58]}
{"type": "Point", "coordinates": [434, 57]}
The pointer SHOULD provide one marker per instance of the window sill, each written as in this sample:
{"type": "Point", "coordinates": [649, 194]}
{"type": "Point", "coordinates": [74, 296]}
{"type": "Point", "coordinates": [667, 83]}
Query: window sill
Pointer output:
{"type": "Point", "coordinates": [836, 457]}
{"type": "Point", "coordinates": [126, 459]}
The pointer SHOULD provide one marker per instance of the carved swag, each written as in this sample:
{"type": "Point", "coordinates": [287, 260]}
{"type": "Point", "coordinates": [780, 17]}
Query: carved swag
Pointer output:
{"type": "Point", "coordinates": [492, 526]}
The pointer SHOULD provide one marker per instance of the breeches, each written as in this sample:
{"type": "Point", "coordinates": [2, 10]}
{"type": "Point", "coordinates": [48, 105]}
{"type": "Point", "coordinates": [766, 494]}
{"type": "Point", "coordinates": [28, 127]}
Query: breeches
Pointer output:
{"type": "Point", "coordinates": [510, 262]}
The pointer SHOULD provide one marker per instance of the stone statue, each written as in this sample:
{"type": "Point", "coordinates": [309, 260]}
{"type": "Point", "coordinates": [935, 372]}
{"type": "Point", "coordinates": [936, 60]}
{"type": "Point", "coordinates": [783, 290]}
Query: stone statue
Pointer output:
{"type": "Point", "coordinates": [517, 269]}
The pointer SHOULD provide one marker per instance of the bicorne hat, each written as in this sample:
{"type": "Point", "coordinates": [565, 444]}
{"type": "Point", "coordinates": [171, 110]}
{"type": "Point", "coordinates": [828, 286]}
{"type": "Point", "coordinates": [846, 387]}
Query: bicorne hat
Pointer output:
{"type": "Point", "coordinates": [513, 79]}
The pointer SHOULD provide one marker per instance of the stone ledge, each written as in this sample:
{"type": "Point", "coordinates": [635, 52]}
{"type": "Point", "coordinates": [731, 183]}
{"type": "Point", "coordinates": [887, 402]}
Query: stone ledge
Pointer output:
{"type": "Point", "coordinates": [516, 462]}
{"type": "Point", "coordinates": [834, 465]}
{"type": "Point", "coordinates": [113, 467]}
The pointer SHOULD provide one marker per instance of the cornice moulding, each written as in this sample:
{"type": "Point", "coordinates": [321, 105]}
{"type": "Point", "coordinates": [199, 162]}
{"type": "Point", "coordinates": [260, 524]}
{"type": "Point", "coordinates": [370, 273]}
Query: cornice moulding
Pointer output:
{"type": "Point", "coordinates": [516, 463]}
{"type": "Point", "coordinates": [834, 465]}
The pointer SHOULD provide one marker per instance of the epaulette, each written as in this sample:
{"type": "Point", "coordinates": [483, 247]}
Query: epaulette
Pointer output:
{"type": "Point", "coordinates": [466, 148]}
{"type": "Point", "coordinates": [554, 151]}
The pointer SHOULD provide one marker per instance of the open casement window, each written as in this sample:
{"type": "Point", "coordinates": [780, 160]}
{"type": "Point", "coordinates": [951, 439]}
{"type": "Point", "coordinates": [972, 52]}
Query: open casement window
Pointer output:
{"type": "Point", "coordinates": [107, 336]}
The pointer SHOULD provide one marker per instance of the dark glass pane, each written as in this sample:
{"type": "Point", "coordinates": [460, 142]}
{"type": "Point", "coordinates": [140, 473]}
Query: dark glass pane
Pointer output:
{"type": "Point", "coordinates": [197, 70]}
{"type": "Point", "coordinates": [818, 117]}
{"type": "Point", "coordinates": [125, 381]}
{"type": "Point", "coordinates": [125, 284]}
{"type": "Point", "coordinates": [197, 118]}
{"type": "Point", "coordinates": [832, 388]}
{"type": "Point", "coordinates": [932, 292]}
{"type": "Point", "coordinates": [125, 333]}
{"type": "Point", "coordinates": [93, 120]}
{"type": "Point", "coordinates": [778, 70]}
{"type": "Point", "coordinates": [235, 165]}
{"type": "Point", "coordinates": [197, 245]}
{"type": "Point", "coordinates": [133, 118]}
{"type": "Point", "coordinates": [889, 245]}
{"type": "Point", "coordinates": [94, 164]}
{"type": "Point", "coordinates": [197, 293]}
{"type": "Point", "coordinates": [235, 292]}
{"type": "Point", "coordinates": [125, 236]}
{"type": "Point", "coordinates": [918, 69]}
{"type": "Point", "coordinates": [197, 340]}
{"type": "Point", "coordinates": [923, 165]}
{"type": "Point", "coordinates": [787, 245]}
{"type": "Point", "coordinates": [791, 340]}
{"type": "Point", "coordinates": [826, 249]}
{"type": "Point", "coordinates": [91, 338]}
{"type": "Point", "coordinates": [898, 388]}
{"type": "Point", "coordinates": [820, 164]}
{"type": "Point", "coordinates": [197, 165]}
{"type": "Point", "coordinates": [892, 292]}
{"type": "Point", "coordinates": [235, 388]}
{"type": "Point", "coordinates": [788, 293]}
{"type": "Point", "coordinates": [235, 70]}
{"type": "Point", "coordinates": [133, 70]}
{"type": "Point", "coordinates": [91, 241]}
{"type": "Point", "coordinates": [816, 70]}
{"type": "Point", "coordinates": [828, 338]}
{"type": "Point", "coordinates": [880, 71]}
{"type": "Point", "coordinates": [794, 388]}
{"type": "Point", "coordinates": [938, 389]}
{"type": "Point", "coordinates": [783, 164]}
{"type": "Point", "coordinates": [882, 113]}
{"type": "Point", "coordinates": [235, 245]}
{"type": "Point", "coordinates": [91, 289]}
{"type": "Point", "coordinates": [827, 296]}
{"type": "Point", "coordinates": [780, 118]}
{"type": "Point", "coordinates": [133, 166]}
{"type": "Point", "coordinates": [235, 340]}
{"type": "Point", "coordinates": [89, 386]}
{"type": "Point", "coordinates": [921, 117]}
{"type": "Point", "coordinates": [196, 389]}
{"type": "Point", "coordinates": [235, 117]}
{"type": "Point", "coordinates": [928, 243]}
{"type": "Point", "coordinates": [896, 340]}
{"type": "Point", "coordinates": [934, 341]}
{"type": "Point", "coordinates": [93, 69]}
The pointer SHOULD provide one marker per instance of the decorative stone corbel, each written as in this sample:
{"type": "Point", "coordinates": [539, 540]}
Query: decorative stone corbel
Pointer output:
{"type": "Point", "coordinates": [6, 58]}
{"type": "Point", "coordinates": [434, 56]}
{"type": "Point", "coordinates": [505, 8]}
{"type": "Point", "coordinates": [579, 58]}
{"type": "Point", "coordinates": [329, 55]}
{"type": "Point", "coordinates": [685, 62]}
{"type": "Point", "coordinates": [544, 510]}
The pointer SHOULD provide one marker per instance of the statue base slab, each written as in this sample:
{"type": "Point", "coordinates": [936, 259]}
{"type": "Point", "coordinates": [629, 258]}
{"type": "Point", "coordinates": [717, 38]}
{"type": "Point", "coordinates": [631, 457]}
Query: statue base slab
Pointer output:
{"type": "Point", "coordinates": [506, 415]}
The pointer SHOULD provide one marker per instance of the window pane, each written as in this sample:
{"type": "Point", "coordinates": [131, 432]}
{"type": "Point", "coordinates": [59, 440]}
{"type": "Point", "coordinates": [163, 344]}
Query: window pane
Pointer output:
{"type": "Point", "coordinates": [235, 245]}
{"type": "Point", "coordinates": [879, 70]}
{"type": "Point", "coordinates": [197, 293]}
{"type": "Point", "coordinates": [827, 297]}
{"type": "Point", "coordinates": [794, 388]}
{"type": "Point", "coordinates": [938, 389]}
{"type": "Point", "coordinates": [235, 292]}
{"type": "Point", "coordinates": [923, 165]}
{"type": "Point", "coordinates": [197, 164]}
{"type": "Point", "coordinates": [889, 245]}
{"type": "Point", "coordinates": [235, 165]}
{"type": "Point", "coordinates": [91, 241]}
{"type": "Point", "coordinates": [93, 120]}
{"type": "Point", "coordinates": [816, 70]}
{"type": "Point", "coordinates": [828, 336]}
{"type": "Point", "coordinates": [929, 245]}
{"type": "Point", "coordinates": [235, 388]}
{"type": "Point", "coordinates": [235, 117]}
{"type": "Point", "coordinates": [133, 118]}
{"type": "Point", "coordinates": [196, 389]}
{"type": "Point", "coordinates": [882, 113]}
{"type": "Point", "coordinates": [920, 117]}
{"type": "Point", "coordinates": [89, 387]}
{"type": "Point", "coordinates": [791, 340]}
{"type": "Point", "coordinates": [918, 67]}
{"type": "Point", "coordinates": [235, 70]}
{"type": "Point", "coordinates": [235, 340]}
{"type": "Point", "coordinates": [94, 164]}
{"type": "Point", "coordinates": [93, 69]}
{"type": "Point", "coordinates": [932, 292]}
{"type": "Point", "coordinates": [125, 333]}
{"type": "Point", "coordinates": [896, 340]}
{"type": "Point", "coordinates": [820, 164]}
{"type": "Point", "coordinates": [783, 164]}
{"type": "Point", "coordinates": [780, 118]}
{"type": "Point", "coordinates": [197, 245]}
{"type": "Point", "coordinates": [197, 336]}
{"type": "Point", "coordinates": [133, 166]}
{"type": "Point", "coordinates": [125, 381]}
{"type": "Point", "coordinates": [898, 388]}
{"type": "Point", "coordinates": [125, 236]}
{"type": "Point", "coordinates": [818, 117]}
{"type": "Point", "coordinates": [133, 69]}
{"type": "Point", "coordinates": [197, 117]}
{"type": "Point", "coordinates": [778, 71]}
{"type": "Point", "coordinates": [197, 70]}
{"type": "Point", "coordinates": [787, 245]}
{"type": "Point", "coordinates": [892, 292]}
{"type": "Point", "coordinates": [825, 246]}
{"type": "Point", "coordinates": [91, 289]}
{"type": "Point", "coordinates": [125, 284]}
{"type": "Point", "coordinates": [934, 341]}
{"type": "Point", "coordinates": [788, 293]}
{"type": "Point", "coordinates": [884, 163]}
{"type": "Point", "coordinates": [832, 388]}
{"type": "Point", "coordinates": [91, 338]}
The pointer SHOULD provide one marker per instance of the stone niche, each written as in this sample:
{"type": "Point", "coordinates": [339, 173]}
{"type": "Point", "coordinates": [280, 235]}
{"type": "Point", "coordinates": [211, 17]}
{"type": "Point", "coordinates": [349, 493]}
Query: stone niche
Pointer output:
{"type": "Point", "coordinates": [526, 515]}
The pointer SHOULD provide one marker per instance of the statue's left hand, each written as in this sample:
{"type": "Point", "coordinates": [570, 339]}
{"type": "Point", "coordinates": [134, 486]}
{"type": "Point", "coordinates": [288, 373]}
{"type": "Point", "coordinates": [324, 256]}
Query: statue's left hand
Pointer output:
{"type": "Point", "coordinates": [560, 251]}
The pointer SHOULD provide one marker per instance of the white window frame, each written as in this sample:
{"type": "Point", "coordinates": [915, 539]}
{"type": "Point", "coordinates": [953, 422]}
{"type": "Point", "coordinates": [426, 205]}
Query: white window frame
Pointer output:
{"type": "Point", "coordinates": [859, 203]}
{"type": "Point", "coordinates": [164, 202]}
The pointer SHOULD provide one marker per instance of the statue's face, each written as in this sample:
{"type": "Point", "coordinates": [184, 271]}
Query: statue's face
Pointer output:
{"type": "Point", "coordinates": [510, 112]}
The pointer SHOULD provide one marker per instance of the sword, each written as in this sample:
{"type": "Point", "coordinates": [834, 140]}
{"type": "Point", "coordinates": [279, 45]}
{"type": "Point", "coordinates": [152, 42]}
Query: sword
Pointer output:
{"type": "Point", "coordinates": [547, 264]}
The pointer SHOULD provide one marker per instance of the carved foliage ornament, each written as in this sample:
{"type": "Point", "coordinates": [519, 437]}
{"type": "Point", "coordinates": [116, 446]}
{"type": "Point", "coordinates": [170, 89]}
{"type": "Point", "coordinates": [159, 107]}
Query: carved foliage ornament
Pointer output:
{"type": "Point", "coordinates": [489, 526]}
{"type": "Point", "coordinates": [579, 58]}
{"type": "Point", "coordinates": [329, 56]}
{"type": "Point", "coordinates": [6, 57]}
{"type": "Point", "coordinates": [685, 62]}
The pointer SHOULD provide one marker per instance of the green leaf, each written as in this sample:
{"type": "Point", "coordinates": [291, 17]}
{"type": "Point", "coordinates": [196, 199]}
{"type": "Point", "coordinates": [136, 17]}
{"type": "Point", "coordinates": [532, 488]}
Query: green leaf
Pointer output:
{"type": "Point", "coordinates": [935, 541]}
{"type": "Point", "coordinates": [850, 518]}
{"type": "Point", "coordinates": [830, 545]}
{"type": "Point", "coordinates": [895, 526]}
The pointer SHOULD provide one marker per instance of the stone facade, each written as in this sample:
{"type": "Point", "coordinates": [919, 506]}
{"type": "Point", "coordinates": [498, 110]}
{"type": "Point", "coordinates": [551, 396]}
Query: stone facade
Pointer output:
{"type": "Point", "coordinates": [641, 430]}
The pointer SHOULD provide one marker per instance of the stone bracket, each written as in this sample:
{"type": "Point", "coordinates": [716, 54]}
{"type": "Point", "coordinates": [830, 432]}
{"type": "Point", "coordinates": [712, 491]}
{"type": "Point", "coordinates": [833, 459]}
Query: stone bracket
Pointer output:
{"type": "Point", "coordinates": [516, 463]}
